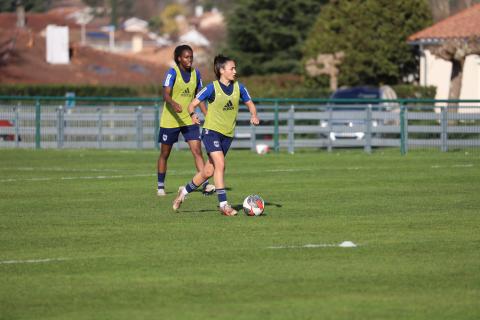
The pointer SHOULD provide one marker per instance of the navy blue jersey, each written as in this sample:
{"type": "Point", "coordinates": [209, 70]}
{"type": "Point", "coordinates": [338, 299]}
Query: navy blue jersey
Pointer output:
{"type": "Point", "coordinates": [171, 75]}
{"type": "Point", "coordinates": [208, 93]}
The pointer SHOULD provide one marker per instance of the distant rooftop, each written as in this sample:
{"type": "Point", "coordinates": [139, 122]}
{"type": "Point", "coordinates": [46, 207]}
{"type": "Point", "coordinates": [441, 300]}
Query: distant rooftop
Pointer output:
{"type": "Point", "coordinates": [464, 24]}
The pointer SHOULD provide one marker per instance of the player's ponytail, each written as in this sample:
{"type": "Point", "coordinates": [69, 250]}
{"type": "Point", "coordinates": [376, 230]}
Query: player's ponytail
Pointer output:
{"type": "Point", "coordinates": [218, 63]}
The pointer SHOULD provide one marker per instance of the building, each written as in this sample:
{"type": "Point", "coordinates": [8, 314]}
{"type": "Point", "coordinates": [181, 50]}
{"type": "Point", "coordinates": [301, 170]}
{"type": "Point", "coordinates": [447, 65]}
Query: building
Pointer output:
{"type": "Point", "coordinates": [460, 30]}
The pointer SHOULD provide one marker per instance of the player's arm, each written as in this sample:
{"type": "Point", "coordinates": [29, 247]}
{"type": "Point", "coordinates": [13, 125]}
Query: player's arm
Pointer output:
{"type": "Point", "coordinates": [167, 96]}
{"type": "Point", "coordinates": [245, 96]}
{"type": "Point", "coordinates": [203, 95]}
{"type": "Point", "coordinates": [167, 91]}
{"type": "Point", "coordinates": [191, 110]}
{"type": "Point", "coordinates": [203, 106]}
{"type": "Point", "coordinates": [253, 113]}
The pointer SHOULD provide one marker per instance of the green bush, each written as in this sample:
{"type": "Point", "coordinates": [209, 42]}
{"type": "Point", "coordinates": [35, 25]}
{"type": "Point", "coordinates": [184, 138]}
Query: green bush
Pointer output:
{"type": "Point", "coordinates": [79, 90]}
{"type": "Point", "coordinates": [282, 86]}
{"type": "Point", "coordinates": [409, 91]}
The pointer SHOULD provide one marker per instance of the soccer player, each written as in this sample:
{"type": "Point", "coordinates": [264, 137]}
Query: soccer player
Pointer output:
{"type": "Point", "coordinates": [223, 96]}
{"type": "Point", "coordinates": [181, 84]}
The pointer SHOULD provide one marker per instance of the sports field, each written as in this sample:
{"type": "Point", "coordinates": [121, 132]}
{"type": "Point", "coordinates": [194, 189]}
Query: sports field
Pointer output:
{"type": "Point", "coordinates": [83, 236]}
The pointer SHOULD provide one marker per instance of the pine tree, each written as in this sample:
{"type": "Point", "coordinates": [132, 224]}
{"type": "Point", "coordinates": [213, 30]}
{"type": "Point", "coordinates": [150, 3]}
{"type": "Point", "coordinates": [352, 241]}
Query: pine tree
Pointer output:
{"type": "Point", "coordinates": [266, 36]}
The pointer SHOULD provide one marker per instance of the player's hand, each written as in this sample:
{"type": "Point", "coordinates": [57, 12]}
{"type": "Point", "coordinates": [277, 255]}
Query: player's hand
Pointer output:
{"type": "Point", "coordinates": [176, 107]}
{"type": "Point", "coordinates": [195, 118]}
{"type": "Point", "coordinates": [254, 120]}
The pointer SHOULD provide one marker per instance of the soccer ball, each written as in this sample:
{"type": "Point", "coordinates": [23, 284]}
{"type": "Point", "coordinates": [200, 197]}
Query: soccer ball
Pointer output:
{"type": "Point", "coordinates": [262, 148]}
{"type": "Point", "coordinates": [253, 205]}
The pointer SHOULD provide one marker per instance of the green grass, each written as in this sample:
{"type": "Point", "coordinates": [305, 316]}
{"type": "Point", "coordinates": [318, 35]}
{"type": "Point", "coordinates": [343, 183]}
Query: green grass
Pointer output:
{"type": "Point", "coordinates": [127, 255]}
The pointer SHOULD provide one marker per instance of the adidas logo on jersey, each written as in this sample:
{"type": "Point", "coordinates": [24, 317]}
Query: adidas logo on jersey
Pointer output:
{"type": "Point", "coordinates": [186, 93]}
{"type": "Point", "coordinates": [228, 106]}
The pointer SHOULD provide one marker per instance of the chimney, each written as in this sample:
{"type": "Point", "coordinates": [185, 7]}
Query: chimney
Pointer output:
{"type": "Point", "coordinates": [20, 14]}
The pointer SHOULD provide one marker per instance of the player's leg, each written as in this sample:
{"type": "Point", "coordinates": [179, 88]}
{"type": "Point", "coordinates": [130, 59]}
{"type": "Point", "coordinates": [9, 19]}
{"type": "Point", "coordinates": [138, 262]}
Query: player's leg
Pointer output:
{"type": "Point", "coordinates": [165, 150]}
{"type": "Point", "coordinates": [192, 137]}
{"type": "Point", "coordinates": [167, 137]}
{"type": "Point", "coordinates": [218, 159]}
{"type": "Point", "coordinates": [197, 180]}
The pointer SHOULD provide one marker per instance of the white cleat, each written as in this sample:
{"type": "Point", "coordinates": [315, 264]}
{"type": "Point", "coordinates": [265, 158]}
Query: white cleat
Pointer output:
{"type": "Point", "coordinates": [161, 192]}
{"type": "Point", "coordinates": [179, 199]}
{"type": "Point", "coordinates": [227, 210]}
{"type": "Point", "coordinates": [208, 190]}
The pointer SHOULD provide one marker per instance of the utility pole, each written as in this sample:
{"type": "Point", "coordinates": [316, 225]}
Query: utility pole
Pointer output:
{"type": "Point", "coordinates": [113, 13]}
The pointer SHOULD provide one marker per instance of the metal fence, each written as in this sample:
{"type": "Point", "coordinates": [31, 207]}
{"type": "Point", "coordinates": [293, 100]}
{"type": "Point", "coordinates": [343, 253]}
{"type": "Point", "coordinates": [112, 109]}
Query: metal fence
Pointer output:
{"type": "Point", "coordinates": [59, 122]}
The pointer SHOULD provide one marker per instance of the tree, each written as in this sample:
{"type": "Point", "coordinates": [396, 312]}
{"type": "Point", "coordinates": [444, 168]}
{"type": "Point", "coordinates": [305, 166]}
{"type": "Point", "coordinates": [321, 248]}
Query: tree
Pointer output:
{"type": "Point", "coordinates": [29, 5]}
{"type": "Point", "coordinates": [372, 35]}
{"type": "Point", "coordinates": [266, 36]}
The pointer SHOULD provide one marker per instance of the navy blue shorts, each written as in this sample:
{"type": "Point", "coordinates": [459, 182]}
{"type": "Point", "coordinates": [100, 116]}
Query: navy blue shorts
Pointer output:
{"type": "Point", "coordinates": [215, 141]}
{"type": "Point", "coordinates": [170, 135]}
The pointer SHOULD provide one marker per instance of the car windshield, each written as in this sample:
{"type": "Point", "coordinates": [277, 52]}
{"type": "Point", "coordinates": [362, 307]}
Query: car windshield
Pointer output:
{"type": "Point", "coordinates": [359, 93]}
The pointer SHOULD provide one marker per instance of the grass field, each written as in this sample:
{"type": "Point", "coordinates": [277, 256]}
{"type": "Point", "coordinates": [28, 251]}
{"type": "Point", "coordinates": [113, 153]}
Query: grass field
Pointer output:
{"type": "Point", "coordinates": [83, 236]}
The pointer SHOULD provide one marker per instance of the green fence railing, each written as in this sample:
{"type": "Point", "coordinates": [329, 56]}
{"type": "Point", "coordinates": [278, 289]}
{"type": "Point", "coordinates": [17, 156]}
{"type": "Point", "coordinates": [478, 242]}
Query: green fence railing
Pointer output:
{"type": "Point", "coordinates": [108, 122]}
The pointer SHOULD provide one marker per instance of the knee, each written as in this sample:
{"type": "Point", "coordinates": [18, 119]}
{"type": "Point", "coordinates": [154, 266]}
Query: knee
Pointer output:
{"type": "Point", "coordinates": [197, 153]}
{"type": "Point", "coordinates": [208, 170]}
{"type": "Point", "coordinates": [163, 156]}
{"type": "Point", "coordinates": [220, 167]}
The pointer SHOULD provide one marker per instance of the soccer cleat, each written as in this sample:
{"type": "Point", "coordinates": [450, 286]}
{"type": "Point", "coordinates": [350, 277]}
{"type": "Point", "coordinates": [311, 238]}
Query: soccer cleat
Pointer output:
{"type": "Point", "coordinates": [227, 210]}
{"type": "Point", "coordinates": [208, 190]}
{"type": "Point", "coordinates": [179, 199]}
{"type": "Point", "coordinates": [161, 192]}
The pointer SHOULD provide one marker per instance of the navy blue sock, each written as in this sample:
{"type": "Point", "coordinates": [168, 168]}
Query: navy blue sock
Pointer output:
{"type": "Point", "coordinates": [191, 187]}
{"type": "Point", "coordinates": [222, 195]}
{"type": "Point", "coordinates": [161, 180]}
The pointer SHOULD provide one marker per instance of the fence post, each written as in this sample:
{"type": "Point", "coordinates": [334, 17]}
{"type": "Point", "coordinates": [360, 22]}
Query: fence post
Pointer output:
{"type": "Point", "coordinates": [17, 128]}
{"type": "Point", "coordinates": [37, 123]}
{"type": "Point", "coordinates": [156, 125]}
{"type": "Point", "coordinates": [368, 134]}
{"type": "Point", "coordinates": [253, 137]}
{"type": "Point", "coordinates": [403, 131]}
{"type": "Point", "coordinates": [60, 127]}
{"type": "Point", "coordinates": [139, 123]}
{"type": "Point", "coordinates": [276, 145]}
{"type": "Point", "coordinates": [291, 129]}
{"type": "Point", "coordinates": [330, 129]}
{"type": "Point", "coordinates": [99, 128]}
{"type": "Point", "coordinates": [444, 134]}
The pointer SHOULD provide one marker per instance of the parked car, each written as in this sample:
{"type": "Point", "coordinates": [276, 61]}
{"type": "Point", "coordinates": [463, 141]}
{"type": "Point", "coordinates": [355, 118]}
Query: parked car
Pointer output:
{"type": "Point", "coordinates": [347, 119]}
{"type": "Point", "coordinates": [7, 137]}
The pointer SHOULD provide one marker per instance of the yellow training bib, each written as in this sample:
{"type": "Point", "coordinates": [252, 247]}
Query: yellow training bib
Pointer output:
{"type": "Point", "coordinates": [182, 93]}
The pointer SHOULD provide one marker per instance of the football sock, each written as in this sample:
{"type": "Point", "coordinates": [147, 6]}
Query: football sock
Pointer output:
{"type": "Point", "coordinates": [222, 196]}
{"type": "Point", "coordinates": [204, 184]}
{"type": "Point", "coordinates": [190, 187]}
{"type": "Point", "coordinates": [161, 180]}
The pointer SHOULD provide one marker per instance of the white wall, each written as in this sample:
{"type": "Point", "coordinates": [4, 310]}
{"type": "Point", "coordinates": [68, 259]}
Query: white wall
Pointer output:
{"type": "Point", "coordinates": [471, 81]}
{"type": "Point", "coordinates": [57, 45]}
{"type": "Point", "coordinates": [436, 72]}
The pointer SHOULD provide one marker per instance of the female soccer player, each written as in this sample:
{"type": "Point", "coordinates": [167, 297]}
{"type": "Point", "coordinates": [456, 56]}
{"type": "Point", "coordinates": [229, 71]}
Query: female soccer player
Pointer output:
{"type": "Point", "coordinates": [223, 98]}
{"type": "Point", "coordinates": [181, 84]}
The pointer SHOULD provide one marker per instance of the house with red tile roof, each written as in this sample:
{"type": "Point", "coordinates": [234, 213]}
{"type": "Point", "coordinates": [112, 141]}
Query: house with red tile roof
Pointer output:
{"type": "Point", "coordinates": [460, 30]}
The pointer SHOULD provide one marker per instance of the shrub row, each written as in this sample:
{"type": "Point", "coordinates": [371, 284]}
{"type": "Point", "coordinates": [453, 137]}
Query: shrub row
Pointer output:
{"type": "Point", "coordinates": [275, 86]}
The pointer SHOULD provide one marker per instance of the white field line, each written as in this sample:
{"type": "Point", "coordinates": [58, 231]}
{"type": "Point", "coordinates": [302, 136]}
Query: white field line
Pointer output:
{"type": "Point", "coordinates": [33, 261]}
{"type": "Point", "coordinates": [345, 244]}
{"type": "Point", "coordinates": [467, 165]}
{"type": "Point", "coordinates": [171, 172]}
{"type": "Point", "coordinates": [81, 178]}
{"type": "Point", "coordinates": [58, 169]}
